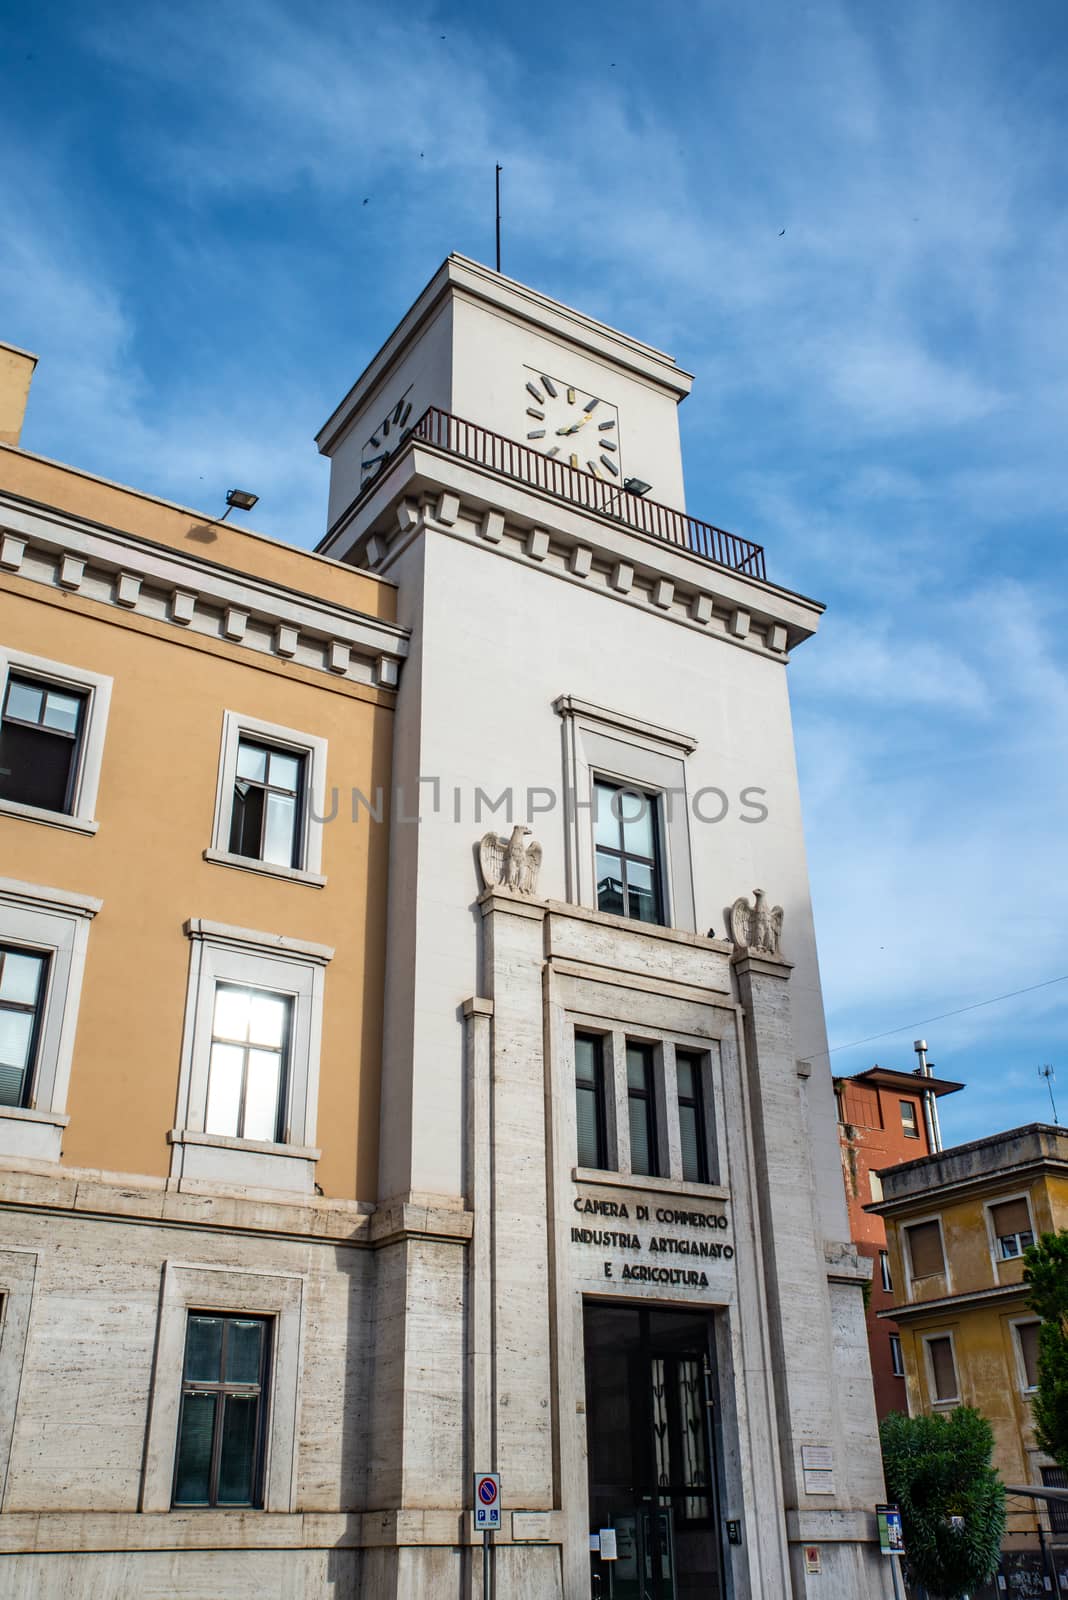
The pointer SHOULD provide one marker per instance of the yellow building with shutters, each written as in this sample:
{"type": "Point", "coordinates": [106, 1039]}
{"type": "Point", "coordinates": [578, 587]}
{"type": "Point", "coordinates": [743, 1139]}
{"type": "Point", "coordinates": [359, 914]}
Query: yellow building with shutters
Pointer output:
{"type": "Point", "coordinates": [957, 1225]}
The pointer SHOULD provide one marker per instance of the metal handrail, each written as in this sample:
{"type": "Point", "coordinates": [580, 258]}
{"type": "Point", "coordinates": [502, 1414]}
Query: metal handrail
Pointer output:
{"type": "Point", "coordinates": [514, 460]}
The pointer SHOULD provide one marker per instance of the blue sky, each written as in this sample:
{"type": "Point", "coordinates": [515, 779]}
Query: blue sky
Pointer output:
{"type": "Point", "coordinates": [882, 390]}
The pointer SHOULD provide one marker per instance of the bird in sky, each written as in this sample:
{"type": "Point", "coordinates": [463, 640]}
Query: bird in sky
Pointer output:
{"type": "Point", "coordinates": [781, 230]}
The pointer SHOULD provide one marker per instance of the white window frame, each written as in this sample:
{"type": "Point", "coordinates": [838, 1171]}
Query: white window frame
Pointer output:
{"type": "Point", "coordinates": [218, 954]}
{"type": "Point", "coordinates": [1015, 1324]}
{"type": "Point", "coordinates": [81, 818]}
{"type": "Point", "coordinates": [884, 1272]}
{"type": "Point", "coordinates": [603, 744]}
{"type": "Point", "coordinates": [55, 923]}
{"type": "Point", "coordinates": [314, 749]}
{"type": "Point", "coordinates": [897, 1356]}
{"type": "Point", "coordinates": [906, 1253]}
{"type": "Point", "coordinates": [940, 1333]}
{"type": "Point", "coordinates": [190, 1286]}
{"type": "Point", "coordinates": [988, 1208]}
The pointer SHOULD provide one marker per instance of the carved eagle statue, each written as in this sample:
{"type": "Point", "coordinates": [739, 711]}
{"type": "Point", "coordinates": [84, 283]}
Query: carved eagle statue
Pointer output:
{"type": "Point", "coordinates": [510, 863]}
{"type": "Point", "coordinates": [756, 927]}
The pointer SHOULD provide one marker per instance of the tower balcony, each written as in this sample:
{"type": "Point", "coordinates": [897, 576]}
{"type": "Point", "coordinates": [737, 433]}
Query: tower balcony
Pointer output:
{"type": "Point", "coordinates": [508, 459]}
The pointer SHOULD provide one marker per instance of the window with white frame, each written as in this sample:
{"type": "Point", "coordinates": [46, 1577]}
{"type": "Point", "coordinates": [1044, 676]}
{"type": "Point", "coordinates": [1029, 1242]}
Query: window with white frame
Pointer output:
{"type": "Point", "coordinates": [629, 853]}
{"type": "Point", "coordinates": [627, 830]}
{"type": "Point", "coordinates": [1027, 1352]}
{"type": "Point", "coordinates": [941, 1369]}
{"type": "Point", "coordinates": [884, 1272]}
{"type": "Point", "coordinates": [897, 1360]}
{"type": "Point", "coordinates": [249, 1079]}
{"type": "Point", "coordinates": [224, 1404]}
{"type": "Point", "coordinates": [53, 719]}
{"type": "Point", "coordinates": [645, 1109]}
{"type": "Point", "coordinates": [269, 805]}
{"type": "Point", "coordinates": [1010, 1223]}
{"type": "Point", "coordinates": [44, 935]}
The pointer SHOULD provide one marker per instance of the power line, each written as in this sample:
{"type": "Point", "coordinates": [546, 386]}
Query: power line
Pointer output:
{"type": "Point", "coordinates": [906, 1026]}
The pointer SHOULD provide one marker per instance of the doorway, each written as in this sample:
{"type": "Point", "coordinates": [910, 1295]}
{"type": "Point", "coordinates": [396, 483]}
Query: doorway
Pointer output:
{"type": "Point", "coordinates": [651, 1436]}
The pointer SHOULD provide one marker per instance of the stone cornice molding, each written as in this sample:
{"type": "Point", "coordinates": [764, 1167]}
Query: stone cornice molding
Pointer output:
{"type": "Point", "coordinates": [748, 965]}
{"type": "Point", "coordinates": [429, 490]}
{"type": "Point", "coordinates": [569, 705]}
{"type": "Point", "coordinates": [141, 578]}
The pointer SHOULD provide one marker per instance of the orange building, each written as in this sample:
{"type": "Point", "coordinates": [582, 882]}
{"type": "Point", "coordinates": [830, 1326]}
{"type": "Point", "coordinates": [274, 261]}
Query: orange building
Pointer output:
{"type": "Point", "coordinates": [882, 1120]}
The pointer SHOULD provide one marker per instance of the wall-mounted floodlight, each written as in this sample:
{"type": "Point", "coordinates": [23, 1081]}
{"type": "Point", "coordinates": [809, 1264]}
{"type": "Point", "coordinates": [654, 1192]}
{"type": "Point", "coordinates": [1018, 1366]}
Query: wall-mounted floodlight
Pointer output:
{"type": "Point", "coordinates": [238, 500]}
{"type": "Point", "coordinates": [636, 486]}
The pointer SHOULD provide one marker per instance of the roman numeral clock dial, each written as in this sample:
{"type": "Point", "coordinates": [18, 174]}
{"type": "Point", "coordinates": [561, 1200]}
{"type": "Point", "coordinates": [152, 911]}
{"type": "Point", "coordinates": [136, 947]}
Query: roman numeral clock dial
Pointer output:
{"type": "Point", "coordinates": [579, 429]}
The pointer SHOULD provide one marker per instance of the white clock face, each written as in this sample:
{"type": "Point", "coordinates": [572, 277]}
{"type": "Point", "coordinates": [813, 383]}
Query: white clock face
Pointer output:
{"type": "Point", "coordinates": [386, 437]}
{"type": "Point", "coordinates": [564, 422]}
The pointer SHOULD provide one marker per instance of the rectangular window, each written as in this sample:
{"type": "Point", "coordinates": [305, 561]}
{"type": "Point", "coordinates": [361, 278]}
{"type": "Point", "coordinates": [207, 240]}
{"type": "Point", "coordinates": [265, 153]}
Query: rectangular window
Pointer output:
{"type": "Point", "coordinates": [266, 822]}
{"type": "Point", "coordinates": [1056, 1478]}
{"type": "Point", "coordinates": [627, 840]}
{"type": "Point", "coordinates": [247, 1066]}
{"type": "Point", "coordinates": [693, 1135]}
{"type": "Point", "coordinates": [884, 1271]}
{"type": "Point", "coordinates": [909, 1124]}
{"type": "Point", "coordinates": [896, 1359]}
{"type": "Point", "coordinates": [221, 1426]}
{"type": "Point", "coordinates": [641, 1110]}
{"type": "Point", "coordinates": [943, 1370]}
{"type": "Point", "coordinates": [1027, 1336]}
{"type": "Point", "coordinates": [40, 743]}
{"type": "Point", "coordinates": [589, 1101]}
{"type": "Point", "coordinates": [1012, 1228]}
{"type": "Point", "coordinates": [925, 1249]}
{"type": "Point", "coordinates": [23, 977]}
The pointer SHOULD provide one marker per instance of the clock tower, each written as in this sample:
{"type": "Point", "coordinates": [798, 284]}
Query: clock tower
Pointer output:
{"type": "Point", "coordinates": [612, 1247]}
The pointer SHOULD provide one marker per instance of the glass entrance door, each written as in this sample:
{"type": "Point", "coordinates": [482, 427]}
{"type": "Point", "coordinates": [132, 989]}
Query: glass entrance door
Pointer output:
{"type": "Point", "coordinates": [651, 1445]}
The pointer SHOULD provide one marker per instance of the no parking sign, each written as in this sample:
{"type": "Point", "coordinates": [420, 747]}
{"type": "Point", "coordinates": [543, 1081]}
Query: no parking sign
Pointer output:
{"type": "Point", "coordinates": [487, 1502]}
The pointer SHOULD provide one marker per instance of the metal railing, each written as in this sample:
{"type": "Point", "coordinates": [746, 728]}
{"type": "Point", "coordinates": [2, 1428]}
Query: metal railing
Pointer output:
{"type": "Point", "coordinates": [513, 460]}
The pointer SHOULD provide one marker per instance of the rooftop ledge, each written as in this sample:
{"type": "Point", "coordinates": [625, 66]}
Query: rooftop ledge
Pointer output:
{"type": "Point", "coordinates": [571, 485]}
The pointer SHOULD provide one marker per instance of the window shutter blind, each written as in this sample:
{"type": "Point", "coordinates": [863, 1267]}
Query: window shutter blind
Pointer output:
{"type": "Point", "coordinates": [925, 1249]}
{"type": "Point", "coordinates": [1028, 1336]}
{"type": "Point", "coordinates": [942, 1369]}
{"type": "Point", "coordinates": [1011, 1217]}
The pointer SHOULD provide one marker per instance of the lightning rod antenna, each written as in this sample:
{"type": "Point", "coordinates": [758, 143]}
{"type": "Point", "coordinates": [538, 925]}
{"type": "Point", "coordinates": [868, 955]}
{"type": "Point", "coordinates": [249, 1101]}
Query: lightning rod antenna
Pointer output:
{"type": "Point", "coordinates": [1048, 1073]}
{"type": "Point", "coordinates": [499, 171]}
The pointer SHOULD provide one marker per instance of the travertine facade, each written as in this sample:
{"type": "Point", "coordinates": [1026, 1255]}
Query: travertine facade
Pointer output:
{"type": "Point", "coordinates": [557, 1192]}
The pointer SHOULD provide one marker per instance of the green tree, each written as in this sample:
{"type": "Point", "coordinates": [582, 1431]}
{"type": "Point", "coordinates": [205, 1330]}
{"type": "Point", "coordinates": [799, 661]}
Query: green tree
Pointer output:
{"type": "Point", "coordinates": [952, 1502]}
{"type": "Point", "coordinates": [1046, 1270]}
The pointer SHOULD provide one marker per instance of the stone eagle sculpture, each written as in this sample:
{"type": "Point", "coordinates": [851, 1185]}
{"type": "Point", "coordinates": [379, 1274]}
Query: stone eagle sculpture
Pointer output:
{"type": "Point", "coordinates": [756, 927]}
{"type": "Point", "coordinates": [510, 863]}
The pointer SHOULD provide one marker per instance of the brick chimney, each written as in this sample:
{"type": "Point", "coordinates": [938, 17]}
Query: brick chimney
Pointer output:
{"type": "Point", "coordinates": [16, 370]}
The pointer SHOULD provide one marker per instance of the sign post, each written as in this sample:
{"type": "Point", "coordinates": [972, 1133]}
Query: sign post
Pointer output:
{"type": "Point", "coordinates": [487, 1521]}
{"type": "Point", "coordinates": [891, 1540]}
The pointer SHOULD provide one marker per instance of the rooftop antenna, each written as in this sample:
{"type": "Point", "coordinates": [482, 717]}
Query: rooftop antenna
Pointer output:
{"type": "Point", "coordinates": [499, 171]}
{"type": "Point", "coordinates": [1048, 1073]}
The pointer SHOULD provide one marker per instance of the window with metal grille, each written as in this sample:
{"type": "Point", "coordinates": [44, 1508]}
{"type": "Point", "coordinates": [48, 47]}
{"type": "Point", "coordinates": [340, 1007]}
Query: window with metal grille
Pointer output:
{"type": "Point", "coordinates": [943, 1369]}
{"type": "Point", "coordinates": [884, 1271]}
{"type": "Point", "coordinates": [590, 1101]}
{"type": "Point", "coordinates": [925, 1249]}
{"type": "Point", "coordinates": [221, 1429]}
{"type": "Point", "coordinates": [641, 1111]}
{"type": "Point", "coordinates": [627, 841]}
{"type": "Point", "coordinates": [247, 1064]}
{"type": "Point", "coordinates": [1027, 1338]}
{"type": "Point", "coordinates": [23, 982]}
{"type": "Point", "coordinates": [693, 1132]}
{"type": "Point", "coordinates": [40, 743]}
{"type": "Point", "coordinates": [1012, 1228]}
{"type": "Point", "coordinates": [909, 1124]}
{"type": "Point", "coordinates": [1056, 1478]}
{"type": "Point", "coordinates": [897, 1360]}
{"type": "Point", "coordinates": [266, 822]}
